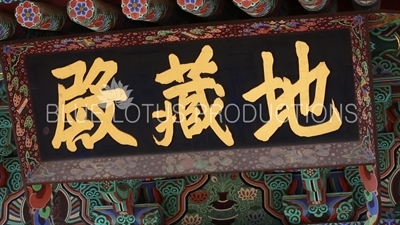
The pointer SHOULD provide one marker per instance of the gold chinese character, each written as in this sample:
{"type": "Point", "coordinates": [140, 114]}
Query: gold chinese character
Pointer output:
{"type": "Point", "coordinates": [283, 107]}
{"type": "Point", "coordinates": [191, 98]}
{"type": "Point", "coordinates": [80, 105]}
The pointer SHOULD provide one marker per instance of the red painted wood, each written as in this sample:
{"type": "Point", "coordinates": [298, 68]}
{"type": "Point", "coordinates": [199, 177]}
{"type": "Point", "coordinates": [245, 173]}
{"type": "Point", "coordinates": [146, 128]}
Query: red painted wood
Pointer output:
{"type": "Point", "coordinates": [390, 5]}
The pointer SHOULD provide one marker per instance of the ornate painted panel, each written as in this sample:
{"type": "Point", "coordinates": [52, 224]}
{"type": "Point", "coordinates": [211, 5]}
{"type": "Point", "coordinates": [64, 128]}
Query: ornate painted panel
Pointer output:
{"type": "Point", "coordinates": [56, 150]}
{"type": "Point", "coordinates": [385, 32]}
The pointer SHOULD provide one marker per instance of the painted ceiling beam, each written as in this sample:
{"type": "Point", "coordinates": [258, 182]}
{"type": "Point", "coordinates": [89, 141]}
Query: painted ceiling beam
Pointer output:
{"type": "Point", "coordinates": [9, 1]}
{"type": "Point", "coordinates": [11, 29]}
{"type": "Point", "coordinates": [212, 10]}
{"type": "Point", "coordinates": [41, 16]}
{"type": "Point", "coordinates": [262, 8]}
{"type": "Point", "coordinates": [366, 4]}
{"type": "Point", "coordinates": [97, 15]}
{"type": "Point", "coordinates": [164, 12]}
{"type": "Point", "coordinates": [319, 6]}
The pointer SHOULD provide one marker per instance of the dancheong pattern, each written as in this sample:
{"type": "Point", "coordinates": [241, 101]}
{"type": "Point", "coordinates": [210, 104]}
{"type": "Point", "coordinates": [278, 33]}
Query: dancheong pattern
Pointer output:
{"type": "Point", "coordinates": [318, 196]}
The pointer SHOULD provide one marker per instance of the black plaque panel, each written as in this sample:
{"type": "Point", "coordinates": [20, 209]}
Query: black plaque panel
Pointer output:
{"type": "Point", "coordinates": [240, 69]}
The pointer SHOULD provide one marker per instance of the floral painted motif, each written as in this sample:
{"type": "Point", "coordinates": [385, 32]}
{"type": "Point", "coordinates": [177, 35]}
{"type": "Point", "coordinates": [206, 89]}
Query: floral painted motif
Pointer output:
{"type": "Point", "coordinates": [256, 217]}
{"type": "Point", "coordinates": [152, 217]}
{"type": "Point", "coordinates": [247, 194]}
{"type": "Point", "coordinates": [191, 220]}
{"type": "Point", "coordinates": [47, 24]}
{"type": "Point", "coordinates": [93, 15]}
{"type": "Point", "coordinates": [27, 14]}
{"type": "Point", "coordinates": [81, 10]}
{"type": "Point", "coordinates": [188, 161]}
{"type": "Point", "coordinates": [258, 8]}
{"type": "Point", "coordinates": [134, 9]}
{"type": "Point", "coordinates": [201, 8]}
{"type": "Point", "coordinates": [310, 172]}
{"type": "Point", "coordinates": [190, 4]}
{"type": "Point", "coordinates": [31, 16]}
{"type": "Point", "coordinates": [246, 3]}
{"type": "Point", "coordinates": [199, 197]}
